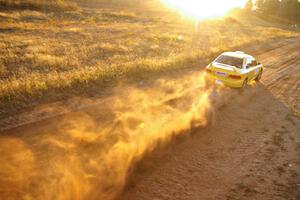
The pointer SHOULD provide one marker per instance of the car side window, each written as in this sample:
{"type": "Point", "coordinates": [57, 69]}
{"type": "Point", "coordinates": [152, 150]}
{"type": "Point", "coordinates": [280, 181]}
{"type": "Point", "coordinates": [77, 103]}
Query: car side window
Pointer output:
{"type": "Point", "coordinates": [251, 63]}
{"type": "Point", "coordinates": [248, 62]}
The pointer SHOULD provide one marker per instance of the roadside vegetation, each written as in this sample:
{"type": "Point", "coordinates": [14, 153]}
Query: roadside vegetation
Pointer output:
{"type": "Point", "coordinates": [48, 55]}
{"type": "Point", "coordinates": [286, 11]}
{"type": "Point", "coordinates": [38, 5]}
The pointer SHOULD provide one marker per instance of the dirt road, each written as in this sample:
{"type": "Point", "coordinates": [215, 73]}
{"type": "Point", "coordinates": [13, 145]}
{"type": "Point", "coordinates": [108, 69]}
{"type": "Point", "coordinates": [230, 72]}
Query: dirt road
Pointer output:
{"type": "Point", "coordinates": [249, 150]}
{"type": "Point", "coordinates": [252, 150]}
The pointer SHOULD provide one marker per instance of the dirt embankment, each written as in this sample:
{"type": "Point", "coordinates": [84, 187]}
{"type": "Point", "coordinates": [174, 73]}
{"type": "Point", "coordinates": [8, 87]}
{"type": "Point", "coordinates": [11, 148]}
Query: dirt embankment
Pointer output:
{"type": "Point", "coordinates": [250, 150]}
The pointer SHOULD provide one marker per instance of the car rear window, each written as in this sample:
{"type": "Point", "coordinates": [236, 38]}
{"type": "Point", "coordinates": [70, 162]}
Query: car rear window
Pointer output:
{"type": "Point", "coordinates": [229, 60]}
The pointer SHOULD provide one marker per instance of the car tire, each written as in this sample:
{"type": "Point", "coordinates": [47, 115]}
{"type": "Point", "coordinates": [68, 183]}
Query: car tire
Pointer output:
{"type": "Point", "coordinates": [245, 84]}
{"type": "Point", "coordinates": [257, 79]}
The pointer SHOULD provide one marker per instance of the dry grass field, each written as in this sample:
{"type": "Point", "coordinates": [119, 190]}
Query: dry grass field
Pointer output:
{"type": "Point", "coordinates": [51, 51]}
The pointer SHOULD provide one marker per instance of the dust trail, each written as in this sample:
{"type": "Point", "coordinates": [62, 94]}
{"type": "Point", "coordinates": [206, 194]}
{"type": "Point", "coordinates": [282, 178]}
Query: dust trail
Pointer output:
{"type": "Point", "coordinates": [88, 156]}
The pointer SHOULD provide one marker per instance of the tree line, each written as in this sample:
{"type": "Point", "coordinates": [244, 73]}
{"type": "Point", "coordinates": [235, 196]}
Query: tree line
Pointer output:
{"type": "Point", "coordinates": [288, 9]}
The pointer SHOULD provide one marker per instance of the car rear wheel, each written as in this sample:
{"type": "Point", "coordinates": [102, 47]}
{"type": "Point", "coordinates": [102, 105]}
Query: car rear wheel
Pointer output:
{"type": "Point", "coordinates": [258, 76]}
{"type": "Point", "coordinates": [245, 84]}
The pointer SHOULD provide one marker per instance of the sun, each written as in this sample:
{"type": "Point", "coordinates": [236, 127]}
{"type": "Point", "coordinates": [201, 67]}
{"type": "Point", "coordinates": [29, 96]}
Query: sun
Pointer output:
{"type": "Point", "coordinates": [202, 9]}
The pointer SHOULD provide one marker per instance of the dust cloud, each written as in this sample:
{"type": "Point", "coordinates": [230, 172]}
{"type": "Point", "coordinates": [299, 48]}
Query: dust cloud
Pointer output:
{"type": "Point", "coordinates": [89, 155]}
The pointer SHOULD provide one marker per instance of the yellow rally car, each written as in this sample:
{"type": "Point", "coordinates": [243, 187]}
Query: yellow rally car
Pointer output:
{"type": "Point", "coordinates": [233, 69]}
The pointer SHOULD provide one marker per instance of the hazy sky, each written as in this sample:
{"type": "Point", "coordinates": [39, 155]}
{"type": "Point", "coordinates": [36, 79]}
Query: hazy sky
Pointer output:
{"type": "Point", "coordinates": [204, 8]}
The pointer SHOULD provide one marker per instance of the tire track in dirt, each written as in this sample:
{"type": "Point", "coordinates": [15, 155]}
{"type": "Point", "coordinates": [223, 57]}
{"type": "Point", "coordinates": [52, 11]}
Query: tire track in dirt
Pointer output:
{"type": "Point", "coordinates": [282, 73]}
{"type": "Point", "coordinates": [252, 151]}
{"type": "Point", "coordinates": [212, 163]}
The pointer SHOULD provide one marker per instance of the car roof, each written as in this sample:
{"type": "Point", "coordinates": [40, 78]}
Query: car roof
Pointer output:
{"type": "Point", "coordinates": [237, 54]}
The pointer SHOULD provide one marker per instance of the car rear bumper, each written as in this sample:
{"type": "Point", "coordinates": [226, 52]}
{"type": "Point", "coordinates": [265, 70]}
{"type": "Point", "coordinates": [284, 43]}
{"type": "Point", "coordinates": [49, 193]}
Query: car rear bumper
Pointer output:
{"type": "Point", "coordinates": [211, 78]}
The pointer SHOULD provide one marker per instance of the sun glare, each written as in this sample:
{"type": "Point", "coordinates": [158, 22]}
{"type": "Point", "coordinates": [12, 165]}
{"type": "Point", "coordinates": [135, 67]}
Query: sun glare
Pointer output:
{"type": "Point", "coordinates": [202, 9]}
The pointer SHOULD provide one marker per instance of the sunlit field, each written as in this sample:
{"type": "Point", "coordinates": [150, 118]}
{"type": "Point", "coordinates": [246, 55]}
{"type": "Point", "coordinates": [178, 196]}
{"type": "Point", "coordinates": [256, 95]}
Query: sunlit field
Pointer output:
{"type": "Point", "coordinates": [110, 100]}
{"type": "Point", "coordinates": [49, 55]}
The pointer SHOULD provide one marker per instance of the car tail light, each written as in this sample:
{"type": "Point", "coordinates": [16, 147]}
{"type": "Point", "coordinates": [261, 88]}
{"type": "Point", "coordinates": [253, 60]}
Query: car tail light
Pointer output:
{"type": "Point", "coordinates": [208, 70]}
{"type": "Point", "coordinates": [235, 77]}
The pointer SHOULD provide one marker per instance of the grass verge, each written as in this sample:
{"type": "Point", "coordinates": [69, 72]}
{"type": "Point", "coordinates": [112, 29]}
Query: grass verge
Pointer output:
{"type": "Point", "coordinates": [47, 57]}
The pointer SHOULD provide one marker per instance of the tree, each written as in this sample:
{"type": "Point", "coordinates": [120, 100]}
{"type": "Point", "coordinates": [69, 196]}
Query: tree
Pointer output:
{"type": "Point", "coordinates": [249, 5]}
{"type": "Point", "coordinates": [272, 7]}
{"type": "Point", "coordinates": [289, 9]}
{"type": "Point", "coordinates": [260, 5]}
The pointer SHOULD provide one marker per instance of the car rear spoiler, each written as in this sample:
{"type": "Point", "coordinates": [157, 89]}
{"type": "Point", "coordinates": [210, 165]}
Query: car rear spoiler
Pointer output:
{"type": "Point", "coordinates": [223, 66]}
